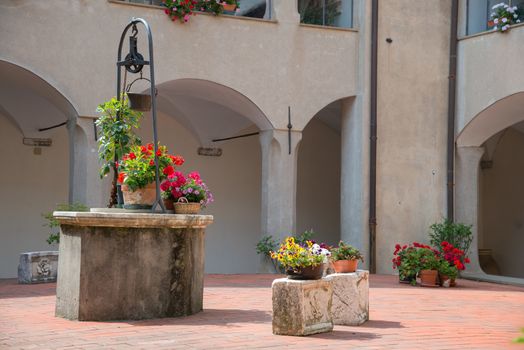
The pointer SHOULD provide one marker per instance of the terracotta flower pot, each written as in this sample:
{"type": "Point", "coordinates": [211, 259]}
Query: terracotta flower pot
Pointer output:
{"type": "Point", "coordinates": [229, 7]}
{"type": "Point", "coordinates": [407, 279]}
{"type": "Point", "coordinates": [168, 203]}
{"type": "Point", "coordinates": [444, 280]}
{"type": "Point", "coordinates": [306, 273]}
{"type": "Point", "coordinates": [428, 278]}
{"type": "Point", "coordinates": [141, 198]}
{"type": "Point", "coordinates": [345, 266]}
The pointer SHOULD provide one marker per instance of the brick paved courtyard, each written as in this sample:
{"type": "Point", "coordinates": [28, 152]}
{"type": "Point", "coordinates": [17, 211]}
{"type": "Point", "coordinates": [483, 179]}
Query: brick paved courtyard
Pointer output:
{"type": "Point", "coordinates": [237, 315]}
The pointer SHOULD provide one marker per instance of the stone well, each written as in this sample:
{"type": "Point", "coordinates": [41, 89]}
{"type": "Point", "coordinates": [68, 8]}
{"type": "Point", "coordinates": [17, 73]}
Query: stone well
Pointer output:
{"type": "Point", "coordinates": [126, 265]}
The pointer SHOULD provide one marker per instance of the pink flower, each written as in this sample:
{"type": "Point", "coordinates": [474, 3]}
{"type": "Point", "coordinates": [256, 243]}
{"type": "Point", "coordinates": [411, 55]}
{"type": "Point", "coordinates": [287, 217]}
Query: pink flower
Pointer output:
{"type": "Point", "coordinates": [186, 18]}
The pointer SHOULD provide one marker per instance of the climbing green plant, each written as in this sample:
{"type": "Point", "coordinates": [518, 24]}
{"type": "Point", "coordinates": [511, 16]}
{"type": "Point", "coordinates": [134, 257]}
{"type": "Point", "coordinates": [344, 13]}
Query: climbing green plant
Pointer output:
{"type": "Point", "coordinates": [116, 126]}
{"type": "Point", "coordinates": [52, 223]}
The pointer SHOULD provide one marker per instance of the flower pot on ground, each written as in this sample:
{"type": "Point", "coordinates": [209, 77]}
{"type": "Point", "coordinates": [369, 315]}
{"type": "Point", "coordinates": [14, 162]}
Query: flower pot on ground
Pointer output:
{"type": "Point", "coordinates": [188, 193]}
{"type": "Point", "coordinates": [428, 263]}
{"type": "Point", "coordinates": [411, 260]}
{"type": "Point", "coordinates": [447, 273]}
{"type": "Point", "coordinates": [345, 258]}
{"type": "Point", "coordinates": [406, 261]}
{"type": "Point", "coordinates": [137, 174]}
{"type": "Point", "coordinates": [428, 278]}
{"type": "Point", "coordinates": [301, 261]}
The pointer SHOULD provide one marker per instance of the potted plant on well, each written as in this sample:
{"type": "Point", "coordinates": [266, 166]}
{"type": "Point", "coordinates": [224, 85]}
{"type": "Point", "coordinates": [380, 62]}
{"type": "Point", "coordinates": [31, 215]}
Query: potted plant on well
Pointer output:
{"type": "Point", "coordinates": [345, 258]}
{"type": "Point", "coordinates": [116, 126]}
{"type": "Point", "coordinates": [302, 261]}
{"type": "Point", "coordinates": [137, 174]}
{"type": "Point", "coordinates": [185, 194]}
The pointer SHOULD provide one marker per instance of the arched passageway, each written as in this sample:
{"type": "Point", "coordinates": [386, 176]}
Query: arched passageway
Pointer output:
{"type": "Point", "coordinates": [490, 169]}
{"type": "Point", "coordinates": [35, 175]}
{"type": "Point", "coordinates": [318, 180]}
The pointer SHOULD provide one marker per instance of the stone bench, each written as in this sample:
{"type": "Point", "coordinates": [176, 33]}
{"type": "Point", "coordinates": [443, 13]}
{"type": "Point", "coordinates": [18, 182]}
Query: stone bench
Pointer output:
{"type": "Point", "coordinates": [301, 307]}
{"type": "Point", "coordinates": [304, 307]}
{"type": "Point", "coordinates": [350, 297]}
{"type": "Point", "coordinates": [38, 267]}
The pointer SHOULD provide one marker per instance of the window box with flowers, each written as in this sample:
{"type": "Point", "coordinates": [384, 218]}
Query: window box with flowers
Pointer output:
{"type": "Point", "coordinates": [503, 16]}
{"type": "Point", "coordinates": [182, 10]}
{"type": "Point", "coordinates": [304, 261]}
{"type": "Point", "coordinates": [136, 174]}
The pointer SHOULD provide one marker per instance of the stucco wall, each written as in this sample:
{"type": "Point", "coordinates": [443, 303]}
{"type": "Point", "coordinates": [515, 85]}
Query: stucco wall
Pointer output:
{"type": "Point", "coordinates": [412, 112]}
{"type": "Point", "coordinates": [318, 184]}
{"type": "Point", "coordinates": [489, 68]}
{"type": "Point", "coordinates": [31, 185]}
{"type": "Point", "coordinates": [294, 63]}
{"type": "Point", "coordinates": [502, 198]}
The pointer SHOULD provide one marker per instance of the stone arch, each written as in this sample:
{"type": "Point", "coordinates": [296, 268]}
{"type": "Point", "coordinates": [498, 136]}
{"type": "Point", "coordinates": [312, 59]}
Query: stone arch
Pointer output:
{"type": "Point", "coordinates": [37, 124]}
{"type": "Point", "coordinates": [320, 210]}
{"type": "Point", "coordinates": [483, 173]}
{"type": "Point", "coordinates": [191, 114]}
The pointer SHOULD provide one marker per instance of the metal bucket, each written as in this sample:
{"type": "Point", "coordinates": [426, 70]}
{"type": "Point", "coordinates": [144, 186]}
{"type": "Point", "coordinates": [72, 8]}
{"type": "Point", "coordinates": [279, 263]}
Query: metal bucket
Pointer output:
{"type": "Point", "coordinates": [139, 102]}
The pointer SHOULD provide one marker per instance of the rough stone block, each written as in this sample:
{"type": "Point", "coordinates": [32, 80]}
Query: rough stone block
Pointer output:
{"type": "Point", "coordinates": [350, 297]}
{"type": "Point", "coordinates": [38, 267]}
{"type": "Point", "coordinates": [301, 307]}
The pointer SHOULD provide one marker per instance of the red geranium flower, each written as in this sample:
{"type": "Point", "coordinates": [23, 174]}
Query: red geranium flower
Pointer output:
{"type": "Point", "coordinates": [121, 177]}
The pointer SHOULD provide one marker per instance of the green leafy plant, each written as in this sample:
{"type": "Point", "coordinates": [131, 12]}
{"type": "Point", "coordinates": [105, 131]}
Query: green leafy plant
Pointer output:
{"type": "Point", "coordinates": [521, 338]}
{"type": "Point", "coordinates": [444, 268]}
{"type": "Point", "coordinates": [346, 252]}
{"type": "Point", "coordinates": [457, 234]}
{"type": "Point", "coordinates": [305, 236]}
{"type": "Point", "coordinates": [410, 260]}
{"type": "Point", "coordinates": [266, 245]}
{"type": "Point", "coordinates": [52, 223]}
{"type": "Point", "coordinates": [116, 126]}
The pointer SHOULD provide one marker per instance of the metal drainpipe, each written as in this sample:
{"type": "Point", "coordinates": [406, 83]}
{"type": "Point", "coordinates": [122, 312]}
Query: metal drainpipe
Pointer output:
{"type": "Point", "coordinates": [452, 83]}
{"type": "Point", "coordinates": [373, 140]}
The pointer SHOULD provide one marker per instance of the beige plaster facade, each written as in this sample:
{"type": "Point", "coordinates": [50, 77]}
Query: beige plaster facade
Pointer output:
{"type": "Point", "coordinates": [225, 76]}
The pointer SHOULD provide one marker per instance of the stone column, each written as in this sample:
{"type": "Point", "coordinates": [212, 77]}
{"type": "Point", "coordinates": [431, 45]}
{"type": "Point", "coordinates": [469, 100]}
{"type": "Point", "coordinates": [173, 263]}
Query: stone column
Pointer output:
{"type": "Point", "coordinates": [354, 178]}
{"type": "Point", "coordinates": [279, 184]}
{"type": "Point", "coordinates": [467, 197]}
{"type": "Point", "coordinates": [88, 188]}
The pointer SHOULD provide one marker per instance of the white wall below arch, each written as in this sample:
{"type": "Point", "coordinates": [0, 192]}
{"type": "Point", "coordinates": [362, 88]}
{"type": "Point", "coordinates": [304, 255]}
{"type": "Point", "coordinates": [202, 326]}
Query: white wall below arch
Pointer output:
{"type": "Point", "coordinates": [234, 179]}
{"type": "Point", "coordinates": [318, 182]}
{"type": "Point", "coordinates": [31, 185]}
{"type": "Point", "coordinates": [502, 198]}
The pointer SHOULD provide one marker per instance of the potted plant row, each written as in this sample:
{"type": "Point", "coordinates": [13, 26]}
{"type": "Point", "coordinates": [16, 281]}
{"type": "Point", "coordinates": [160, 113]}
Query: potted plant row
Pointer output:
{"type": "Point", "coordinates": [302, 258]}
{"type": "Point", "coordinates": [431, 265]}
